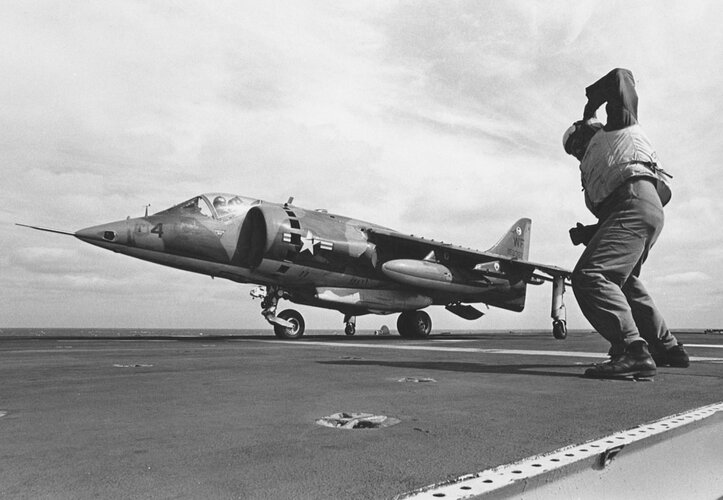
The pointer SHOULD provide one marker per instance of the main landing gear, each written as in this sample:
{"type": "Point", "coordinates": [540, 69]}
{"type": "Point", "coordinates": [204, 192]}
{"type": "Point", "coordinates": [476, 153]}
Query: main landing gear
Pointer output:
{"type": "Point", "coordinates": [289, 323]}
{"type": "Point", "coordinates": [414, 324]}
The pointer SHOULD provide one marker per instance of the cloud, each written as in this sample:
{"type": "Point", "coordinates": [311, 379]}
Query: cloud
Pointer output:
{"type": "Point", "coordinates": [46, 260]}
{"type": "Point", "coordinates": [439, 119]}
{"type": "Point", "coordinates": [683, 279]}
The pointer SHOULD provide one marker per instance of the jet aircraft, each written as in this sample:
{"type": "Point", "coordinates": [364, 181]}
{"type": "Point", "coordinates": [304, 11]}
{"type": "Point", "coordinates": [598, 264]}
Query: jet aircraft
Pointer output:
{"type": "Point", "coordinates": [325, 260]}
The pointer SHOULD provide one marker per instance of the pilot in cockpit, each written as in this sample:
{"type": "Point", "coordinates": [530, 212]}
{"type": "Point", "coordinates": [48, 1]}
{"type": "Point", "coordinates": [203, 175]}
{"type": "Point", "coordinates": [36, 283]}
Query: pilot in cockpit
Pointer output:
{"type": "Point", "coordinates": [219, 203]}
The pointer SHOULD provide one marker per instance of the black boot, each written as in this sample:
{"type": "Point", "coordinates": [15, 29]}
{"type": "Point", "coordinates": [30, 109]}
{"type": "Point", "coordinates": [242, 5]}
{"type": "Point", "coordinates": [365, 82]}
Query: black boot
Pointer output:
{"type": "Point", "coordinates": [675, 356]}
{"type": "Point", "coordinates": [636, 361]}
{"type": "Point", "coordinates": [614, 353]}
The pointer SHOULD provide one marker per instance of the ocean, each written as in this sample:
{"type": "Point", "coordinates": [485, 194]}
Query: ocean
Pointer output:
{"type": "Point", "coordinates": [119, 333]}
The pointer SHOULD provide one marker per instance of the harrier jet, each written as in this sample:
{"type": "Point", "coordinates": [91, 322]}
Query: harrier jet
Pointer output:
{"type": "Point", "coordinates": [320, 259]}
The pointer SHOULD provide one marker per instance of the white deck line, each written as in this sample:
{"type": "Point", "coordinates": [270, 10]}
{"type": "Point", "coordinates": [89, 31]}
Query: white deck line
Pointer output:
{"type": "Point", "coordinates": [62, 349]}
{"type": "Point", "coordinates": [705, 346]}
{"type": "Point", "coordinates": [471, 350]}
{"type": "Point", "coordinates": [494, 479]}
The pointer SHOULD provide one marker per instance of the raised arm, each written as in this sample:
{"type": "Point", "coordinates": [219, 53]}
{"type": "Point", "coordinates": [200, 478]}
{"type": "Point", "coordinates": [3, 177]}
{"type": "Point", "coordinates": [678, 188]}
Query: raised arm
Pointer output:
{"type": "Point", "coordinates": [617, 89]}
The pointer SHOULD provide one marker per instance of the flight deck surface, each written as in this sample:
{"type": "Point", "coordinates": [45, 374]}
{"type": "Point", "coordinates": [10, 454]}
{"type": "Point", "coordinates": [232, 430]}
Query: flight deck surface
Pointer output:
{"type": "Point", "coordinates": [234, 415]}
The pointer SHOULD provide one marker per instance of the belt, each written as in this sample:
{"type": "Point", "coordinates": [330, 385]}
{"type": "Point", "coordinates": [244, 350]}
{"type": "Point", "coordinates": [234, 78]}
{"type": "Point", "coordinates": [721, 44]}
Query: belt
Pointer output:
{"type": "Point", "coordinates": [636, 178]}
{"type": "Point", "coordinates": [652, 166]}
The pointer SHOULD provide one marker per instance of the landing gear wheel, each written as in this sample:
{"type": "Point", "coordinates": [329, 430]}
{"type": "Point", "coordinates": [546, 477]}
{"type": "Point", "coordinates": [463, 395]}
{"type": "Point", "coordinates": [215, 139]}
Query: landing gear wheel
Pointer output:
{"type": "Point", "coordinates": [297, 328]}
{"type": "Point", "coordinates": [350, 324]}
{"type": "Point", "coordinates": [414, 324]}
{"type": "Point", "coordinates": [559, 329]}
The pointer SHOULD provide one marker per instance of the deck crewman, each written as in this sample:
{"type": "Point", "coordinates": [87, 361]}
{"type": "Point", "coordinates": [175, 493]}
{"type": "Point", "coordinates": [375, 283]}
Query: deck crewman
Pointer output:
{"type": "Point", "coordinates": [626, 189]}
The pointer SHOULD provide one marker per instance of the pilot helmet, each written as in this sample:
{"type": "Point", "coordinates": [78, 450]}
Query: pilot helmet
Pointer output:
{"type": "Point", "coordinates": [577, 137]}
{"type": "Point", "coordinates": [219, 201]}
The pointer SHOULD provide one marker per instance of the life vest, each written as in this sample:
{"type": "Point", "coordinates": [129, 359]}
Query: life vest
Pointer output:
{"type": "Point", "coordinates": [613, 157]}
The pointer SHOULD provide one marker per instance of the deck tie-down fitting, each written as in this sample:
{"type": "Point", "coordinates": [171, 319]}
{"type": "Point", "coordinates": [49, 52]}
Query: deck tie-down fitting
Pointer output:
{"type": "Point", "coordinates": [347, 420]}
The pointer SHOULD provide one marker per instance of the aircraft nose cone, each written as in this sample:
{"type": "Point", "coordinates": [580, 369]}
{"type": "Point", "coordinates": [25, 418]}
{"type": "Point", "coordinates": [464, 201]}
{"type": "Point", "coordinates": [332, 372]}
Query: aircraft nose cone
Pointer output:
{"type": "Point", "coordinates": [103, 234]}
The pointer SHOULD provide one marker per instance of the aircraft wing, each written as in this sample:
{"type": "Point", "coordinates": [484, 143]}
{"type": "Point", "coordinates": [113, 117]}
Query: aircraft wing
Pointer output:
{"type": "Point", "coordinates": [551, 272]}
{"type": "Point", "coordinates": [392, 245]}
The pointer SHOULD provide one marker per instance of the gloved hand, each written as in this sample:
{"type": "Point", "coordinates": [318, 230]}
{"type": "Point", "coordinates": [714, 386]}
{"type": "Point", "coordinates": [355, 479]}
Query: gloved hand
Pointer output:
{"type": "Point", "coordinates": [583, 234]}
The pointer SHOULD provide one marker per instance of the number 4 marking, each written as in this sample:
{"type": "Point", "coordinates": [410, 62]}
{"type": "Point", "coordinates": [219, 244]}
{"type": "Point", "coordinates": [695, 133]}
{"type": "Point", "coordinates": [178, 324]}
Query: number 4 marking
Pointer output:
{"type": "Point", "coordinates": [158, 229]}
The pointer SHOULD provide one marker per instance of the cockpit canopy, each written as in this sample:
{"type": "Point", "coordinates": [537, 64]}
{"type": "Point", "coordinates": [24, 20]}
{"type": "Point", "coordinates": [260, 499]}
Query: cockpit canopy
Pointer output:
{"type": "Point", "coordinates": [214, 205]}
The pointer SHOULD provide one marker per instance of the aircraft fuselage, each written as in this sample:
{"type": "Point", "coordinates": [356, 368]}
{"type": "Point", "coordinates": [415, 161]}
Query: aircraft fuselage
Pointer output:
{"type": "Point", "coordinates": [322, 259]}
{"type": "Point", "coordinates": [326, 260]}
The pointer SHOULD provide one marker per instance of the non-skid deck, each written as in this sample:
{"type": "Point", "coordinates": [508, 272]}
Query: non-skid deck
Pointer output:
{"type": "Point", "coordinates": [236, 416]}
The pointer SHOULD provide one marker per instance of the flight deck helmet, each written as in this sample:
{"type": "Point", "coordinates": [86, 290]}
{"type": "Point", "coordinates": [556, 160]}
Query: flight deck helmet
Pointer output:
{"type": "Point", "coordinates": [577, 137]}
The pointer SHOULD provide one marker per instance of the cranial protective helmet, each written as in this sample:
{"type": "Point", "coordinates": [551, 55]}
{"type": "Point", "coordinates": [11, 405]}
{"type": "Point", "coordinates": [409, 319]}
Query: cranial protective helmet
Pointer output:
{"type": "Point", "coordinates": [566, 136]}
{"type": "Point", "coordinates": [576, 138]}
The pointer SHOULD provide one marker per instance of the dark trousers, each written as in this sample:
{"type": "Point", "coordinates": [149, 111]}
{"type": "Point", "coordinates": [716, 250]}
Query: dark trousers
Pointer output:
{"type": "Point", "coordinates": [606, 279]}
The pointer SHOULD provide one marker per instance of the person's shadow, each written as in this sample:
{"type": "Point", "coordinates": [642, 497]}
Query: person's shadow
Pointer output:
{"type": "Point", "coordinates": [466, 367]}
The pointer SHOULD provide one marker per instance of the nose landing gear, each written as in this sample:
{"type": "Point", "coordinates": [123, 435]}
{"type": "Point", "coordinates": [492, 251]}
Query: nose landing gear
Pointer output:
{"type": "Point", "coordinates": [295, 319]}
{"type": "Point", "coordinates": [289, 323]}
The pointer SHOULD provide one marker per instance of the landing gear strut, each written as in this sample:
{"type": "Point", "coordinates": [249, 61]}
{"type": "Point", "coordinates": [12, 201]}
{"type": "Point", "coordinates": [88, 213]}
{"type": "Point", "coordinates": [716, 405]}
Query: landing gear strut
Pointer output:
{"type": "Point", "coordinates": [289, 323]}
{"type": "Point", "coordinates": [350, 328]}
{"type": "Point", "coordinates": [559, 317]}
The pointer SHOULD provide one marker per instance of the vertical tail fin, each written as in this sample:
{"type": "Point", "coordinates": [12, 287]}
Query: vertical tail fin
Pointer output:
{"type": "Point", "coordinates": [516, 241]}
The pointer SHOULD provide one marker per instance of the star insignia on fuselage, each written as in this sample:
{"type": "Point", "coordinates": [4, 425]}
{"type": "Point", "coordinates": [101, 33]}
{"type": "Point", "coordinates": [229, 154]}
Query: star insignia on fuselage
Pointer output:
{"type": "Point", "coordinates": [307, 243]}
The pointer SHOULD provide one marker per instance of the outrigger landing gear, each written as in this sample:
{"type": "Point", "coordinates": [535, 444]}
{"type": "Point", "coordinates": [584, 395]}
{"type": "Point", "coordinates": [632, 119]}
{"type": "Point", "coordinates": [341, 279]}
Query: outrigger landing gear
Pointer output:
{"type": "Point", "coordinates": [289, 323]}
{"type": "Point", "coordinates": [559, 317]}
{"type": "Point", "coordinates": [350, 328]}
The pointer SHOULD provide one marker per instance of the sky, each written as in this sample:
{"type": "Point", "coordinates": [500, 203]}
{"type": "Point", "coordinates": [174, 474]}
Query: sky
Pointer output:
{"type": "Point", "coordinates": [439, 119]}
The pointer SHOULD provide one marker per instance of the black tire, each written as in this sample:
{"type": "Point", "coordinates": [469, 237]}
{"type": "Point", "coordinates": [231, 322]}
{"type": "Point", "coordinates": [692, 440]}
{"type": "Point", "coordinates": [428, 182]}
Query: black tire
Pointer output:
{"type": "Point", "coordinates": [350, 329]}
{"type": "Point", "coordinates": [559, 329]}
{"type": "Point", "coordinates": [414, 324]}
{"type": "Point", "coordinates": [293, 332]}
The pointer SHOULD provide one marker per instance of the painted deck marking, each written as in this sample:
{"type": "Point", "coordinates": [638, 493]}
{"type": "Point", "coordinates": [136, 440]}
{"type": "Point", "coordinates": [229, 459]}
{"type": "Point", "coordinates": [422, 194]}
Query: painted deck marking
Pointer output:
{"type": "Point", "coordinates": [61, 349]}
{"type": "Point", "coordinates": [471, 350]}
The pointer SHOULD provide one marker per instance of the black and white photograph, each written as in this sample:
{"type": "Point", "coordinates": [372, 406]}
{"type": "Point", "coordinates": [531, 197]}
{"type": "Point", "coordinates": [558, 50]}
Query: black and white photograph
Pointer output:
{"type": "Point", "coordinates": [378, 249]}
